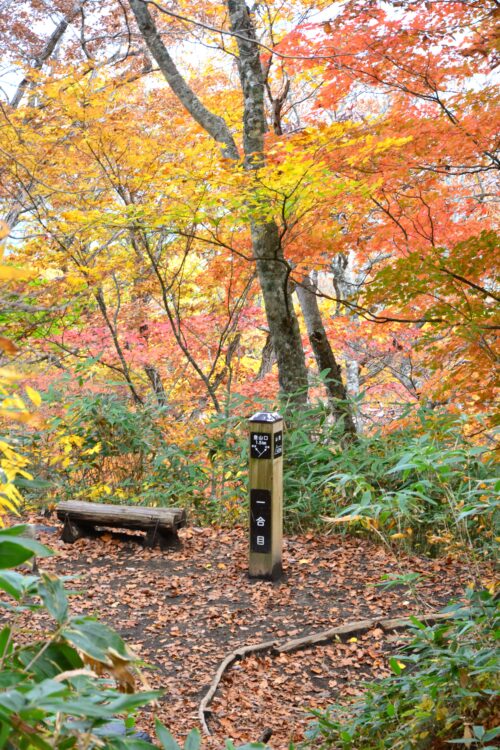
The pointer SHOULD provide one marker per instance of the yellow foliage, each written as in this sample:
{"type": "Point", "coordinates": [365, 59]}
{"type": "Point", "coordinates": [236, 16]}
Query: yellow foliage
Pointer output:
{"type": "Point", "coordinates": [4, 232]}
{"type": "Point", "coordinates": [96, 492]}
{"type": "Point", "coordinates": [12, 406]}
{"type": "Point", "coordinates": [10, 273]}
{"type": "Point", "coordinates": [33, 396]}
{"type": "Point", "coordinates": [12, 464]}
{"type": "Point", "coordinates": [342, 519]}
{"type": "Point", "coordinates": [92, 451]}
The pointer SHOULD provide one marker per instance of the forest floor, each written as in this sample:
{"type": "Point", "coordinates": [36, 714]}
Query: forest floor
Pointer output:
{"type": "Point", "coordinates": [183, 611]}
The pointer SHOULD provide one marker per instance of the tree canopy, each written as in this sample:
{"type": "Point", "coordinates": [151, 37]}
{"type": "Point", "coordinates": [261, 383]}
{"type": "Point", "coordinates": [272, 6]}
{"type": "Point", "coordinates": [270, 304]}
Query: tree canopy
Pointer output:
{"type": "Point", "coordinates": [184, 178]}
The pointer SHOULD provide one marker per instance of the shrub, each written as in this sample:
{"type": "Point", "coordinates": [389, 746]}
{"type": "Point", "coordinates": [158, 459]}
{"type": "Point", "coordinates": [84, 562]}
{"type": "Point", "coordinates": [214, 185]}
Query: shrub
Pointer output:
{"type": "Point", "coordinates": [424, 485]}
{"type": "Point", "coordinates": [51, 691]}
{"type": "Point", "coordinates": [101, 447]}
{"type": "Point", "coordinates": [445, 690]}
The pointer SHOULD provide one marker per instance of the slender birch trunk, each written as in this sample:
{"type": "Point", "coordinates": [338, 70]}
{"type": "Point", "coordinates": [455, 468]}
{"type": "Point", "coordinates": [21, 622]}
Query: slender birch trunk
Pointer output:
{"type": "Point", "coordinates": [325, 358]}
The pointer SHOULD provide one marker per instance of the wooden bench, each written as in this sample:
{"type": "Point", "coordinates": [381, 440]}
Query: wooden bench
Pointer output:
{"type": "Point", "coordinates": [160, 524]}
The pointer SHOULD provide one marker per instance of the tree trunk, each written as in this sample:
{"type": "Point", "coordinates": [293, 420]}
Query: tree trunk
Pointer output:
{"type": "Point", "coordinates": [268, 358]}
{"type": "Point", "coordinates": [325, 358]}
{"type": "Point", "coordinates": [353, 383]}
{"type": "Point", "coordinates": [213, 124]}
{"type": "Point", "coordinates": [272, 269]}
{"type": "Point", "coordinates": [47, 52]}
{"type": "Point", "coordinates": [154, 378]}
{"type": "Point", "coordinates": [273, 272]}
{"type": "Point", "coordinates": [99, 297]}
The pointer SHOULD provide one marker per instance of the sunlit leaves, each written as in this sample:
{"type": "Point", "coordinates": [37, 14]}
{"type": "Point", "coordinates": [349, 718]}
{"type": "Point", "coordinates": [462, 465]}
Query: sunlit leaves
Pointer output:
{"type": "Point", "coordinates": [130, 201]}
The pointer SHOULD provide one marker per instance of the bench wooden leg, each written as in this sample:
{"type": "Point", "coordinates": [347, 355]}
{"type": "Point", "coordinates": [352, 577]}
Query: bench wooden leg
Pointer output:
{"type": "Point", "coordinates": [163, 539]}
{"type": "Point", "coordinates": [73, 531]}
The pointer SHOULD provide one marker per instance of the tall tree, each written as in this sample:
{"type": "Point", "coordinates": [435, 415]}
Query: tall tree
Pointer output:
{"type": "Point", "coordinates": [427, 71]}
{"type": "Point", "coordinates": [272, 267]}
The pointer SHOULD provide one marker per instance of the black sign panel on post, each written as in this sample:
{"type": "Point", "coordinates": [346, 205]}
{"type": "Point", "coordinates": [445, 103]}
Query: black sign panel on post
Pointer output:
{"type": "Point", "coordinates": [260, 445]}
{"type": "Point", "coordinates": [278, 444]}
{"type": "Point", "coordinates": [260, 520]}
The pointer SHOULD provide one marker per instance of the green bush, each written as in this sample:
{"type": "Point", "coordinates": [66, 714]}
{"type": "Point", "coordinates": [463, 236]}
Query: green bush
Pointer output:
{"type": "Point", "coordinates": [444, 691]}
{"type": "Point", "coordinates": [101, 447]}
{"type": "Point", "coordinates": [312, 445]}
{"type": "Point", "coordinates": [51, 693]}
{"type": "Point", "coordinates": [423, 486]}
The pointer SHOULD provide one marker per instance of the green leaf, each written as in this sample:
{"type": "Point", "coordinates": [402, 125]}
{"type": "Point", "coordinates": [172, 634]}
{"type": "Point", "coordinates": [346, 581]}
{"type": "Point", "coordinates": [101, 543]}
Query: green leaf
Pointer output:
{"type": "Point", "coordinates": [13, 701]}
{"type": "Point", "coordinates": [9, 679]}
{"type": "Point", "coordinates": [35, 740]}
{"type": "Point", "coordinates": [394, 665]}
{"type": "Point", "coordinates": [491, 734]}
{"type": "Point", "coordinates": [66, 744]}
{"type": "Point", "coordinates": [53, 596]}
{"type": "Point", "coordinates": [96, 640]}
{"type": "Point", "coordinates": [12, 583]}
{"type": "Point", "coordinates": [164, 736]}
{"type": "Point", "coordinates": [193, 740]}
{"type": "Point", "coordinates": [418, 623]}
{"type": "Point", "coordinates": [22, 534]}
{"type": "Point", "coordinates": [5, 642]}
{"type": "Point", "coordinates": [56, 658]}
{"type": "Point", "coordinates": [16, 549]}
{"type": "Point", "coordinates": [5, 730]}
{"type": "Point", "coordinates": [130, 702]}
{"type": "Point", "coordinates": [13, 553]}
{"type": "Point", "coordinates": [17, 530]}
{"type": "Point", "coordinates": [45, 689]}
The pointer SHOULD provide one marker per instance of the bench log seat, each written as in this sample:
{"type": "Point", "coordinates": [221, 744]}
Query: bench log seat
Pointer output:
{"type": "Point", "coordinates": [160, 524]}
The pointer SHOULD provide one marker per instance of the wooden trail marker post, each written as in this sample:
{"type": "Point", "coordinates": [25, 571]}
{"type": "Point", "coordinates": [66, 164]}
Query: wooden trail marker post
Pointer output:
{"type": "Point", "coordinates": [266, 495]}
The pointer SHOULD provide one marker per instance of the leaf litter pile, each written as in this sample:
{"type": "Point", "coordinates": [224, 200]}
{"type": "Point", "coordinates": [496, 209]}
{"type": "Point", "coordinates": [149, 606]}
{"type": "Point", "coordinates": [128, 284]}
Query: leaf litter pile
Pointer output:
{"type": "Point", "coordinates": [183, 611]}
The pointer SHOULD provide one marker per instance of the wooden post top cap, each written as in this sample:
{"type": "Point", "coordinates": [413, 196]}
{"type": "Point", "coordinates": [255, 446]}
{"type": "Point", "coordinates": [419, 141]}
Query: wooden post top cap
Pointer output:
{"type": "Point", "coordinates": [268, 417]}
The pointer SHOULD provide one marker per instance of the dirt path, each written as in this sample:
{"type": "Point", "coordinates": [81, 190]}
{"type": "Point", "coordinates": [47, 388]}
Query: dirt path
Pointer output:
{"type": "Point", "coordinates": [184, 610]}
